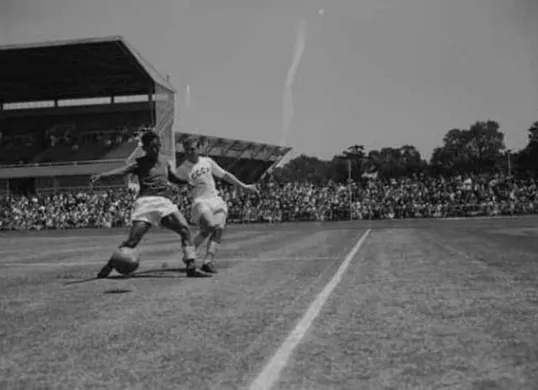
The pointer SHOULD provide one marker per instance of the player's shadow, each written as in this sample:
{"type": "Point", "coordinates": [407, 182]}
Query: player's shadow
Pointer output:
{"type": "Point", "coordinates": [118, 291]}
{"type": "Point", "coordinates": [157, 273]}
{"type": "Point", "coordinates": [153, 273]}
{"type": "Point", "coordinates": [81, 281]}
{"type": "Point", "coordinates": [164, 272]}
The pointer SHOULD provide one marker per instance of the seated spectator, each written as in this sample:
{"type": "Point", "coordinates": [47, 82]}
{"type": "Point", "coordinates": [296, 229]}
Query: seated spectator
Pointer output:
{"type": "Point", "coordinates": [425, 197]}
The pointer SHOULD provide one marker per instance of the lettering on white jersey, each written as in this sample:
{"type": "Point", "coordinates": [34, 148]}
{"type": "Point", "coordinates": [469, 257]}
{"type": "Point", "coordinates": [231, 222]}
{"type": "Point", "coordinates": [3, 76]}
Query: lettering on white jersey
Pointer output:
{"type": "Point", "coordinates": [201, 171]}
{"type": "Point", "coordinates": [200, 176]}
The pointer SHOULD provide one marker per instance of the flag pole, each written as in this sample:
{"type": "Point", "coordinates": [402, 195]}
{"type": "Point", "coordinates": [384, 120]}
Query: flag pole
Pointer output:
{"type": "Point", "coordinates": [349, 188]}
{"type": "Point", "coordinates": [508, 155]}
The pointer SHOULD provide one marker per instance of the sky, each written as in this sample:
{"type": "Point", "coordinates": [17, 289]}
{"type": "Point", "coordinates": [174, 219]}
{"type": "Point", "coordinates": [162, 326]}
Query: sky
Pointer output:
{"type": "Point", "coordinates": [373, 72]}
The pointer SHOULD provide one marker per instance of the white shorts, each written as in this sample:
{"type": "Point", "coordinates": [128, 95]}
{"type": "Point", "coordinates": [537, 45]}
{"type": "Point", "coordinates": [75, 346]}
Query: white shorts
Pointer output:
{"type": "Point", "coordinates": [152, 209]}
{"type": "Point", "coordinates": [213, 205]}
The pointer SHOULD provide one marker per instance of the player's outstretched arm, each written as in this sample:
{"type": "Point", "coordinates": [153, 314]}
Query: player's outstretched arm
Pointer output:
{"type": "Point", "coordinates": [228, 177]}
{"type": "Point", "coordinates": [173, 177]}
{"type": "Point", "coordinates": [122, 171]}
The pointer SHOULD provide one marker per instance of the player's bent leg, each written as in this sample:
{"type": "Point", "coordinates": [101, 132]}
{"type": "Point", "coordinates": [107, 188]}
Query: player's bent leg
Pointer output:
{"type": "Point", "coordinates": [216, 222]}
{"type": "Point", "coordinates": [199, 212]}
{"type": "Point", "coordinates": [220, 214]}
{"type": "Point", "coordinates": [177, 223]}
{"type": "Point", "coordinates": [136, 233]}
{"type": "Point", "coordinates": [200, 237]}
{"type": "Point", "coordinates": [202, 234]}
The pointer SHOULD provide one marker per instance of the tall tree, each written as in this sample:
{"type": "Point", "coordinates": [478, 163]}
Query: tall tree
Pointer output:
{"type": "Point", "coordinates": [533, 134]}
{"type": "Point", "coordinates": [477, 149]}
{"type": "Point", "coordinates": [396, 162]}
{"type": "Point", "coordinates": [302, 168]}
{"type": "Point", "coordinates": [412, 160]}
{"type": "Point", "coordinates": [454, 154]}
{"type": "Point", "coordinates": [487, 144]}
{"type": "Point", "coordinates": [527, 158]}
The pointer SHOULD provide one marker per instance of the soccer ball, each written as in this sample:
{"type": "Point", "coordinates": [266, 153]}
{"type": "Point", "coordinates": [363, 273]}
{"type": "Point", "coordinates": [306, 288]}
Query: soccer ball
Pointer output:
{"type": "Point", "coordinates": [125, 260]}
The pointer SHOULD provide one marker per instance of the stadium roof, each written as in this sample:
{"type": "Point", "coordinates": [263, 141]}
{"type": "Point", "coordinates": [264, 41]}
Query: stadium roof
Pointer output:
{"type": "Point", "coordinates": [225, 147]}
{"type": "Point", "coordinates": [83, 68]}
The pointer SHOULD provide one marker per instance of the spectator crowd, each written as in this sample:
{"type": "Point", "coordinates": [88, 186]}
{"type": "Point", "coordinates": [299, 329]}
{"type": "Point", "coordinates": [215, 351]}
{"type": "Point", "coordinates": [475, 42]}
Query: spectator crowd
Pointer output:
{"type": "Point", "coordinates": [417, 197]}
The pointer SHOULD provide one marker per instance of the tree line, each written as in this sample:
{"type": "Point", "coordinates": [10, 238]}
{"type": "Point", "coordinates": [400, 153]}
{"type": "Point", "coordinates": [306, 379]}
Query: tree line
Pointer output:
{"type": "Point", "coordinates": [476, 150]}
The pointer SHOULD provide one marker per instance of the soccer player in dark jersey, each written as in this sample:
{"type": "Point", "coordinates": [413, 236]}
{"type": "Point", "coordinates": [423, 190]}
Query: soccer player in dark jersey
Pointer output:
{"type": "Point", "coordinates": [154, 204]}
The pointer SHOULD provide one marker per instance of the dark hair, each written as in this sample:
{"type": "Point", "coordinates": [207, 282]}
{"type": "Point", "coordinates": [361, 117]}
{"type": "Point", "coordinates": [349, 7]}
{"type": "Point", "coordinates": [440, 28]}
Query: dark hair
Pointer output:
{"type": "Point", "coordinates": [148, 137]}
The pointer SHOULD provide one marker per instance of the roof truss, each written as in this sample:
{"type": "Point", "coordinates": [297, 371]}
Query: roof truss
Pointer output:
{"type": "Point", "coordinates": [236, 149]}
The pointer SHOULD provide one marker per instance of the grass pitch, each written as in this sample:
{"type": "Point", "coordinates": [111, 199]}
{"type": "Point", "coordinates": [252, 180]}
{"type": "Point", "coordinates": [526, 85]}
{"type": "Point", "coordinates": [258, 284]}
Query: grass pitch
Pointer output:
{"type": "Point", "coordinates": [424, 304]}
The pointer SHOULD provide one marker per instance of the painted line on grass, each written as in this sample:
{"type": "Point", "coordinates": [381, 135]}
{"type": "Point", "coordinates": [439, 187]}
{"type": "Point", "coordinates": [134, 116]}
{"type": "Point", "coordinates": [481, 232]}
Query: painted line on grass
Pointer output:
{"type": "Point", "coordinates": [271, 372]}
{"type": "Point", "coordinates": [172, 262]}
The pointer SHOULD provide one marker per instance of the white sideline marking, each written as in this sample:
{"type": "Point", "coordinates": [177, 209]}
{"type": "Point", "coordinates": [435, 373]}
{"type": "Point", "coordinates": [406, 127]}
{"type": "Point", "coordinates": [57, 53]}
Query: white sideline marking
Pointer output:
{"type": "Point", "coordinates": [271, 373]}
{"type": "Point", "coordinates": [171, 263]}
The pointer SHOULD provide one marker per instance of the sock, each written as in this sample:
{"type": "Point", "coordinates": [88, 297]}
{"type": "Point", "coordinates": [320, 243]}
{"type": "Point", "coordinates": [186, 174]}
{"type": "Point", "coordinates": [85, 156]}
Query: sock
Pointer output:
{"type": "Point", "coordinates": [212, 248]}
{"type": "Point", "coordinates": [189, 252]}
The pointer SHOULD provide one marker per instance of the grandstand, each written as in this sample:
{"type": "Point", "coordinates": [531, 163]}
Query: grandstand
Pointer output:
{"type": "Point", "coordinates": [70, 109]}
{"type": "Point", "coordinates": [247, 160]}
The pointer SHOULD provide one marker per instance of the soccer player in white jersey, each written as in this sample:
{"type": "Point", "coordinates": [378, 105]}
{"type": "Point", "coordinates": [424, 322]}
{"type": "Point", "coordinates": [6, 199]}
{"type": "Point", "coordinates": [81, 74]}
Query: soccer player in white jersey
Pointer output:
{"type": "Point", "coordinates": [208, 211]}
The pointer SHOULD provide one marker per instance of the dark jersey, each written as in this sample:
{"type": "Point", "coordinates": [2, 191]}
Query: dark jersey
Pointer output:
{"type": "Point", "coordinates": [153, 177]}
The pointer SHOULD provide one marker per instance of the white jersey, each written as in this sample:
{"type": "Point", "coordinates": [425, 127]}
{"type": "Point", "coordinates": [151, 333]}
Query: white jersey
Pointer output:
{"type": "Point", "coordinates": [200, 176]}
